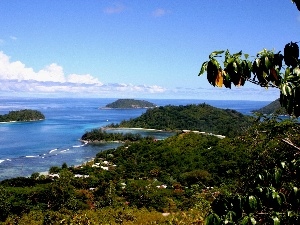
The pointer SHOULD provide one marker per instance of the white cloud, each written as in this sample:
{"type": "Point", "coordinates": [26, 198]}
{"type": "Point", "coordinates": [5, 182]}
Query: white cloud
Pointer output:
{"type": "Point", "coordinates": [53, 73]}
{"type": "Point", "coordinates": [116, 8]}
{"type": "Point", "coordinates": [83, 79]}
{"type": "Point", "coordinates": [130, 88]}
{"type": "Point", "coordinates": [159, 12]}
{"type": "Point", "coordinates": [13, 38]}
{"type": "Point", "coordinates": [16, 78]}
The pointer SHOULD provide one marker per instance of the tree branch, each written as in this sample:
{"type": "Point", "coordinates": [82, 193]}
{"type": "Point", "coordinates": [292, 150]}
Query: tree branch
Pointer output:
{"type": "Point", "coordinates": [288, 141]}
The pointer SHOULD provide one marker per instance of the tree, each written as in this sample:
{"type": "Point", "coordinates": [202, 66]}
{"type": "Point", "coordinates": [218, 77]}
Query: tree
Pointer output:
{"type": "Point", "coordinates": [266, 70]}
{"type": "Point", "coordinates": [269, 192]}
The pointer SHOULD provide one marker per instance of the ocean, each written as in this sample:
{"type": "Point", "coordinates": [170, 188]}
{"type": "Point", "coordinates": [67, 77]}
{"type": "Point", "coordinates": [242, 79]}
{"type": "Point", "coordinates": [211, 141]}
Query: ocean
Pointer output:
{"type": "Point", "coordinates": [28, 147]}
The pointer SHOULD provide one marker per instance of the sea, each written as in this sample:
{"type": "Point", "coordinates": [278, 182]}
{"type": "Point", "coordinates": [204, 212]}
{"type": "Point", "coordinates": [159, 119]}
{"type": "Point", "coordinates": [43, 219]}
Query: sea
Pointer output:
{"type": "Point", "coordinates": [29, 147]}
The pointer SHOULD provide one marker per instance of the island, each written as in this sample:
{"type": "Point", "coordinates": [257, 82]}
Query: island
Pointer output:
{"type": "Point", "coordinates": [130, 104]}
{"type": "Point", "coordinates": [22, 116]}
{"type": "Point", "coordinates": [273, 107]}
{"type": "Point", "coordinates": [202, 118]}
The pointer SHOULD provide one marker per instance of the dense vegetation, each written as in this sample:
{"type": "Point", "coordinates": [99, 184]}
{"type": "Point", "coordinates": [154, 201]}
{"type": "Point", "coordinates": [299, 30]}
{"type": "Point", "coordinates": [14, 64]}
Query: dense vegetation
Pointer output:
{"type": "Point", "coordinates": [255, 174]}
{"type": "Point", "coordinates": [22, 115]}
{"type": "Point", "coordinates": [130, 103]}
{"type": "Point", "coordinates": [186, 158]}
{"type": "Point", "coordinates": [270, 193]}
{"type": "Point", "coordinates": [202, 117]}
{"type": "Point", "coordinates": [269, 190]}
{"type": "Point", "coordinates": [174, 175]}
{"type": "Point", "coordinates": [273, 107]}
{"type": "Point", "coordinates": [100, 135]}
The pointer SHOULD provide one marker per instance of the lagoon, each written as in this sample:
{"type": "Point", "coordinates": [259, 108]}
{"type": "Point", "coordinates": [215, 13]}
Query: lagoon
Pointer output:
{"type": "Point", "coordinates": [28, 147]}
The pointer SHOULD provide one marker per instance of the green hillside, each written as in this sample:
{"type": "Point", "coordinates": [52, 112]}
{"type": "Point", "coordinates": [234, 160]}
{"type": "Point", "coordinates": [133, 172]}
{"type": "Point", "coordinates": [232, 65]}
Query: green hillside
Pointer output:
{"type": "Point", "coordinates": [200, 117]}
{"type": "Point", "coordinates": [181, 175]}
{"type": "Point", "coordinates": [273, 107]}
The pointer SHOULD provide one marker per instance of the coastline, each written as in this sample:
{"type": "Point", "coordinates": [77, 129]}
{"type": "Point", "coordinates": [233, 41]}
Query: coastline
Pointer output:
{"type": "Point", "coordinates": [21, 121]}
{"type": "Point", "coordinates": [131, 128]}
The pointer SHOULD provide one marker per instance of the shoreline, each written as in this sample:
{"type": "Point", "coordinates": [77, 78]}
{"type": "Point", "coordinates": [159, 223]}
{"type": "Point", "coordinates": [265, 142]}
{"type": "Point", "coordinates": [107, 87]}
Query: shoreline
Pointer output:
{"type": "Point", "coordinates": [21, 121]}
{"type": "Point", "coordinates": [133, 128]}
{"type": "Point", "coordinates": [46, 173]}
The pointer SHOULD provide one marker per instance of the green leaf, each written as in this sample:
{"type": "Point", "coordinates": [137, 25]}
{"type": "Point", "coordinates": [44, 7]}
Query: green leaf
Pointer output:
{"type": "Point", "coordinates": [203, 68]}
{"type": "Point", "coordinates": [277, 197]}
{"type": "Point", "coordinates": [215, 53]}
{"type": "Point", "coordinates": [276, 220]}
{"type": "Point", "coordinates": [287, 73]}
{"type": "Point", "coordinates": [253, 221]}
{"type": "Point", "coordinates": [295, 189]}
{"type": "Point", "coordinates": [246, 56]}
{"type": "Point", "coordinates": [282, 196]}
{"type": "Point", "coordinates": [248, 219]}
{"type": "Point", "coordinates": [289, 90]}
{"type": "Point", "coordinates": [278, 173]}
{"type": "Point", "coordinates": [297, 71]}
{"type": "Point", "coordinates": [238, 54]}
{"type": "Point", "coordinates": [245, 220]}
{"type": "Point", "coordinates": [267, 62]}
{"type": "Point", "coordinates": [229, 216]}
{"type": "Point", "coordinates": [252, 202]}
{"type": "Point", "coordinates": [216, 63]}
{"type": "Point", "coordinates": [286, 89]}
{"type": "Point", "coordinates": [212, 219]}
{"type": "Point", "coordinates": [257, 62]}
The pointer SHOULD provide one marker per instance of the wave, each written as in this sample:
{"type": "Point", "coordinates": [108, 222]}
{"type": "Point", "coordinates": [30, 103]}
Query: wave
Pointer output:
{"type": "Point", "coordinates": [53, 150]}
{"type": "Point", "coordinates": [77, 146]}
{"type": "Point", "coordinates": [31, 156]}
{"type": "Point", "coordinates": [1, 160]}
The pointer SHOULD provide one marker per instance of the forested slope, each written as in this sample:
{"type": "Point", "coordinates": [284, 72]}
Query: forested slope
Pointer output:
{"type": "Point", "coordinates": [273, 107]}
{"type": "Point", "coordinates": [202, 117]}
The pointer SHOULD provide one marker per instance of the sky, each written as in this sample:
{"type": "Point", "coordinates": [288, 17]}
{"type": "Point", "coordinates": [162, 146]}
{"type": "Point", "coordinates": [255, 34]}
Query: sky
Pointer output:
{"type": "Point", "coordinates": [134, 49]}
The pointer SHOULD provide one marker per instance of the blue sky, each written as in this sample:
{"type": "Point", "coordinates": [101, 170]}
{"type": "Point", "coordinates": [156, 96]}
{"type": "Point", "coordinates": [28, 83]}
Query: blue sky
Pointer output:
{"type": "Point", "coordinates": [140, 49]}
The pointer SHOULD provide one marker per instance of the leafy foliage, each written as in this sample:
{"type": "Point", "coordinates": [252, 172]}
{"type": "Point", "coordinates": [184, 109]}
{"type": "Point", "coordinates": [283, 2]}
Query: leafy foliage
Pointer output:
{"type": "Point", "coordinates": [268, 192]}
{"type": "Point", "coordinates": [266, 70]}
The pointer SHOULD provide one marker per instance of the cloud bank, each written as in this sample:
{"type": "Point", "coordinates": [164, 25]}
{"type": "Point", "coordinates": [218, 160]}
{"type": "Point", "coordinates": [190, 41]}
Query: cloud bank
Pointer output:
{"type": "Point", "coordinates": [159, 12]}
{"type": "Point", "coordinates": [115, 9]}
{"type": "Point", "coordinates": [15, 77]}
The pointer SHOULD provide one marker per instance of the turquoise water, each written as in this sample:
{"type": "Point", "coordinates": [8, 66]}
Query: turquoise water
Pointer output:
{"type": "Point", "coordinates": [36, 146]}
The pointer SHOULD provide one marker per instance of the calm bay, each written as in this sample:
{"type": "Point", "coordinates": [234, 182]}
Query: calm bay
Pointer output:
{"type": "Point", "coordinates": [28, 147]}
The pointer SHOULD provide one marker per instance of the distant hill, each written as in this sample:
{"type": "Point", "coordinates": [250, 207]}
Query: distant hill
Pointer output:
{"type": "Point", "coordinates": [200, 117]}
{"type": "Point", "coordinates": [273, 107]}
{"type": "Point", "coordinates": [130, 104]}
{"type": "Point", "coordinates": [22, 115]}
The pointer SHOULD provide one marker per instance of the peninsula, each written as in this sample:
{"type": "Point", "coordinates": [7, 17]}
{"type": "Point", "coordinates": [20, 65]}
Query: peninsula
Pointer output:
{"type": "Point", "coordinates": [22, 116]}
{"type": "Point", "coordinates": [129, 104]}
{"type": "Point", "coordinates": [273, 107]}
{"type": "Point", "coordinates": [202, 117]}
